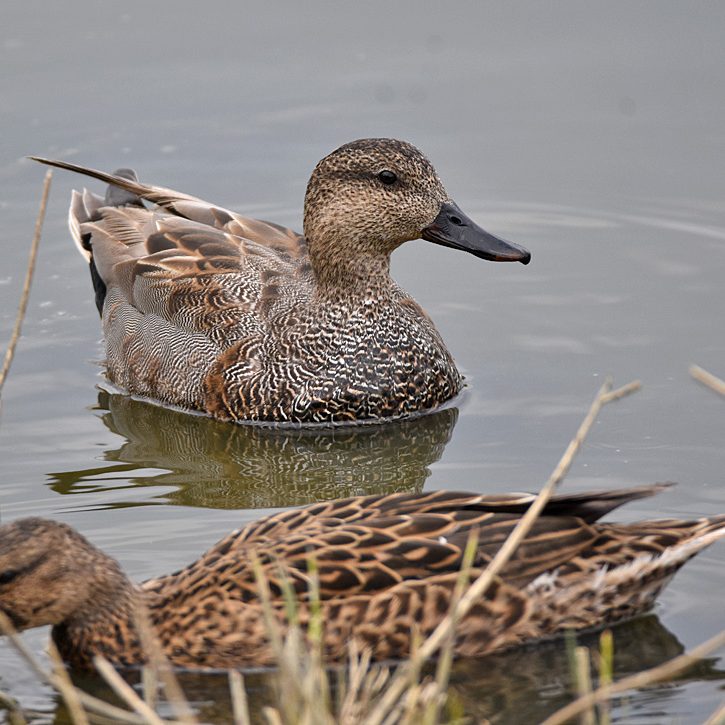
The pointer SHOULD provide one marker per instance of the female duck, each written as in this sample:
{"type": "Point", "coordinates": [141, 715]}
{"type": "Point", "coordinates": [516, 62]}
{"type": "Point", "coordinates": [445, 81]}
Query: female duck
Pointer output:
{"type": "Point", "coordinates": [388, 566]}
{"type": "Point", "coordinates": [247, 321]}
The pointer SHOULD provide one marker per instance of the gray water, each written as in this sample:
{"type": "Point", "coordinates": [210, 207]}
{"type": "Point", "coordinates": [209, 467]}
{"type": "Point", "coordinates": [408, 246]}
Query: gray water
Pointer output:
{"type": "Point", "coordinates": [591, 133]}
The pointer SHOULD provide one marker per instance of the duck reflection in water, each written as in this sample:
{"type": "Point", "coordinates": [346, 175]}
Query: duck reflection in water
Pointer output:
{"type": "Point", "coordinates": [528, 684]}
{"type": "Point", "coordinates": [215, 465]}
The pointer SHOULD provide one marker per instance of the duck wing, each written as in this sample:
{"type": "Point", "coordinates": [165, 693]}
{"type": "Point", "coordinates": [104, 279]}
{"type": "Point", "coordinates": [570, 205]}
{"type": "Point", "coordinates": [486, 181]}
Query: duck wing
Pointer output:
{"type": "Point", "coordinates": [589, 506]}
{"type": "Point", "coordinates": [194, 276]}
{"type": "Point", "coordinates": [178, 284]}
{"type": "Point", "coordinates": [359, 546]}
{"type": "Point", "coordinates": [285, 242]}
{"type": "Point", "coordinates": [375, 555]}
{"type": "Point", "coordinates": [365, 558]}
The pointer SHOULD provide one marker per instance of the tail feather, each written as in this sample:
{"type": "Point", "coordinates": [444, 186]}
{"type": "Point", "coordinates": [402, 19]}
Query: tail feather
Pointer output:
{"type": "Point", "coordinates": [124, 190]}
{"type": "Point", "coordinates": [156, 194]}
{"type": "Point", "coordinates": [591, 506]}
{"type": "Point", "coordinates": [696, 536]}
{"type": "Point", "coordinates": [77, 215]}
{"type": "Point", "coordinates": [129, 184]}
{"type": "Point", "coordinates": [622, 586]}
{"type": "Point", "coordinates": [709, 530]}
{"type": "Point", "coordinates": [86, 207]}
{"type": "Point", "coordinates": [588, 505]}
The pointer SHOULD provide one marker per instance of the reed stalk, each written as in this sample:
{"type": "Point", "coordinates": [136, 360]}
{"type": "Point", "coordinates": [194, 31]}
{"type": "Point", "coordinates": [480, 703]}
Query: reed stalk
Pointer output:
{"type": "Point", "coordinates": [25, 294]}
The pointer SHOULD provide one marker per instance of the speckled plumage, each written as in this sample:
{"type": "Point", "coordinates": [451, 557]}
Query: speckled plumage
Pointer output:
{"type": "Point", "coordinates": [387, 569]}
{"type": "Point", "coordinates": [248, 321]}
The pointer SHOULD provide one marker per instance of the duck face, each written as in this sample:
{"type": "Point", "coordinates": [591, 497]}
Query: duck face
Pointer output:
{"type": "Point", "coordinates": [371, 195]}
{"type": "Point", "coordinates": [40, 583]}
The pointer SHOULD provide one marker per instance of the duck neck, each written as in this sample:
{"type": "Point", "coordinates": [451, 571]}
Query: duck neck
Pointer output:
{"type": "Point", "coordinates": [103, 623]}
{"type": "Point", "coordinates": [360, 277]}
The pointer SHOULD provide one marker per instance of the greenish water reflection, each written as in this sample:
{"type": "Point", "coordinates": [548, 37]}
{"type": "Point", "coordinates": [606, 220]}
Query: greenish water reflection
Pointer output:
{"type": "Point", "coordinates": [528, 684]}
{"type": "Point", "coordinates": [219, 465]}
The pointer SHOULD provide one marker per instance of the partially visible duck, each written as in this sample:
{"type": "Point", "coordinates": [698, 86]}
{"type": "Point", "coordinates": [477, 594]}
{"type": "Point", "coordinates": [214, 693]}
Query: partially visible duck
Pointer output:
{"type": "Point", "coordinates": [248, 321]}
{"type": "Point", "coordinates": [387, 569]}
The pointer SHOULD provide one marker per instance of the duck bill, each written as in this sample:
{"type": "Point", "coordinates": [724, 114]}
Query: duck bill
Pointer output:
{"type": "Point", "coordinates": [452, 228]}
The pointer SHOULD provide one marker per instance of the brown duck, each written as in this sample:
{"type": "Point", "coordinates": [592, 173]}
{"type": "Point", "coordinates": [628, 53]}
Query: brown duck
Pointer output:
{"type": "Point", "coordinates": [387, 569]}
{"type": "Point", "coordinates": [248, 321]}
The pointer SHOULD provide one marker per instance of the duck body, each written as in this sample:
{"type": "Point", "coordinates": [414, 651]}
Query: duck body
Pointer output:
{"type": "Point", "coordinates": [388, 566]}
{"type": "Point", "coordinates": [247, 321]}
{"type": "Point", "coordinates": [290, 357]}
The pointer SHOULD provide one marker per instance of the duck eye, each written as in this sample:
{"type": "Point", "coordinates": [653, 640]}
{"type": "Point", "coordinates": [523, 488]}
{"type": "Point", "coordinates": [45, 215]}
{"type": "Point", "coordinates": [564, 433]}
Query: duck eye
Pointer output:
{"type": "Point", "coordinates": [8, 575]}
{"type": "Point", "coordinates": [387, 177]}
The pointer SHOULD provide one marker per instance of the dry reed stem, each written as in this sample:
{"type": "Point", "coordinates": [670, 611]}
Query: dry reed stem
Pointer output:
{"type": "Point", "coordinates": [150, 685]}
{"type": "Point", "coordinates": [583, 672]}
{"type": "Point", "coordinates": [708, 379]}
{"type": "Point", "coordinates": [240, 706]}
{"type": "Point", "coordinates": [627, 389]}
{"type": "Point", "coordinates": [445, 659]}
{"type": "Point", "coordinates": [660, 673]}
{"type": "Point", "coordinates": [272, 715]}
{"type": "Point", "coordinates": [7, 629]}
{"type": "Point", "coordinates": [605, 665]}
{"type": "Point", "coordinates": [106, 710]}
{"type": "Point", "coordinates": [270, 621]}
{"type": "Point", "coordinates": [70, 693]}
{"type": "Point", "coordinates": [363, 683]}
{"type": "Point", "coordinates": [718, 717]}
{"type": "Point", "coordinates": [480, 585]}
{"type": "Point", "coordinates": [91, 703]}
{"type": "Point", "coordinates": [125, 691]}
{"type": "Point", "coordinates": [15, 714]}
{"type": "Point", "coordinates": [23, 305]}
{"type": "Point", "coordinates": [159, 662]}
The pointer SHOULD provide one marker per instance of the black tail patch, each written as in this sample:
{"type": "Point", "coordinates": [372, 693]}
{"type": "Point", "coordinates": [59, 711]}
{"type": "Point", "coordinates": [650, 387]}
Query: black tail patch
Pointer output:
{"type": "Point", "coordinates": [99, 287]}
{"type": "Point", "coordinates": [115, 196]}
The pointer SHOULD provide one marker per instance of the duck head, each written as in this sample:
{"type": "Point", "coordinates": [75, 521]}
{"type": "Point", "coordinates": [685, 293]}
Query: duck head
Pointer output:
{"type": "Point", "coordinates": [50, 574]}
{"type": "Point", "coordinates": [369, 196]}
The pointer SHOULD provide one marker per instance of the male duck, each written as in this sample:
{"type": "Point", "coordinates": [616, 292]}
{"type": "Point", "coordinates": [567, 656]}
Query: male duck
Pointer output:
{"type": "Point", "coordinates": [388, 566]}
{"type": "Point", "coordinates": [248, 321]}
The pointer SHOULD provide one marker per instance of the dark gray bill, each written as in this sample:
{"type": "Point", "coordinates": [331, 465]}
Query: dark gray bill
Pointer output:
{"type": "Point", "coordinates": [452, 228]}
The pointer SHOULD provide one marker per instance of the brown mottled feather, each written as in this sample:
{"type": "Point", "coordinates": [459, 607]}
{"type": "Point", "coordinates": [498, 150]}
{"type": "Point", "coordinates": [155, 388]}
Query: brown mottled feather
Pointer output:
{"type": "Point", "coordinates": [387, 569]}
{"type": "Point", "coordinates": [284, 328]}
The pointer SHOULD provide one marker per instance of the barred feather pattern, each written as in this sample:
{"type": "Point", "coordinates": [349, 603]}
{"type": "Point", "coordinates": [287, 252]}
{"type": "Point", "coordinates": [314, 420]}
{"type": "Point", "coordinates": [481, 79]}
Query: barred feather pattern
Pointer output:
{"type": "Point", "coordinates": [387, 568]}
{"type": "Point", "coordinates": [245, 320]}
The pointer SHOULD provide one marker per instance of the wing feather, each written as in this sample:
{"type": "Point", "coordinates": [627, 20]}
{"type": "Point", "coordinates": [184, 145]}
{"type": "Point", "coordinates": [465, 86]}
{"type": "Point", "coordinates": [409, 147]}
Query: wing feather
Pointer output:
{"type": "Point", "coordinates": [283, 241]}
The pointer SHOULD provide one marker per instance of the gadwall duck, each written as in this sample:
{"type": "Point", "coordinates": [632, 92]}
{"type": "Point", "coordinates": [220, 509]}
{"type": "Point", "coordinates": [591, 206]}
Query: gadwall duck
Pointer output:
{"type": "Point", "coordinates": [387, 568]}
{"type": "Point", "coordinates": [248, 321]}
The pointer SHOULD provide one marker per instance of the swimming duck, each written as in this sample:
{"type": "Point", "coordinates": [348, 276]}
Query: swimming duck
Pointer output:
{"type": "Point", "coordinates": [387, 568]}
{"type": "Point", "coordinates": [245, 320]}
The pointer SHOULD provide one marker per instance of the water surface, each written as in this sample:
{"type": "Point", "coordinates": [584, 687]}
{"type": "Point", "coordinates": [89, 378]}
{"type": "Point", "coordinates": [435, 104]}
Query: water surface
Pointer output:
{"type": "Point", "coordinates": [590, 133]}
